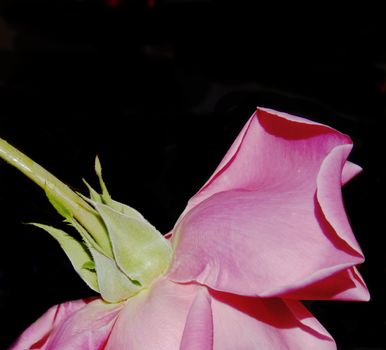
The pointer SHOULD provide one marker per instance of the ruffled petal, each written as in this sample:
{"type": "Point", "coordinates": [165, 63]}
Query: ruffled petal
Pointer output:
{"type": "Point", "coordinates": [243, 323]}
{"type": "Point", "coordinates": [345, 285]}
{"type": "Point", "coordinates": [271, 148]}
{"type": "Point", "coordinates": [350, 170]}
{"type": "Point", "coordinates": [271, 220]}
{"type": "Point", "coordinates": [329, 195]}
{"type": "Point", "coordinates": [198, 332]}
{"type": "Point", "coordinates": [88, 328]}
{"type": "Point", "coordinates": [37, 334]}
{"type": "Point", "coordinates": [154, 318]}
{"type": "Point", "coordinates": [81, 324]}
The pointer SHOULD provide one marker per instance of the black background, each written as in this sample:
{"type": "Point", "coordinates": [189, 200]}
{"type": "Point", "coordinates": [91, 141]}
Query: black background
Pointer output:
{"type": "Point", "coordinates": [159, 94]}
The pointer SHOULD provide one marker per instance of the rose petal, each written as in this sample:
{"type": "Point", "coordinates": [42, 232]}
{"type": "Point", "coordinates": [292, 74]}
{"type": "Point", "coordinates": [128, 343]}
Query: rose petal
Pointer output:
{"type": "Point", "coordinates": [154, 319]}
{"type": "Point", "coordinates": [198, 332]}
{"type": "Point", "coordinates": [256, 243]}
{"type": "Point", "coordinates": [36, 335]}
{"type": "Point", "coordinates": [271, 147]}
{"type": "Point", "coordinates": [257, 227]}
{"type": "Point", "coordinates": [67, 325]}
{"type": "Point", "coordinates": [88, 328]}
{"type": "Point", "coordinates": [254, 323]}
{"type": "Point", "coordinates": [344, 285]}
{"type": "Point", "coordinates": [329, 195]}
{"type": "Point", "coordinates": [350, 170]}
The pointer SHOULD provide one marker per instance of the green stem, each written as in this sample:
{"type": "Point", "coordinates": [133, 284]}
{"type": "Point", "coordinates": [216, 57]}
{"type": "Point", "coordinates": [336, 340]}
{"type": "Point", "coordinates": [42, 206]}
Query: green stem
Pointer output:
{"type": "Point", "coordinates": [78, 207]}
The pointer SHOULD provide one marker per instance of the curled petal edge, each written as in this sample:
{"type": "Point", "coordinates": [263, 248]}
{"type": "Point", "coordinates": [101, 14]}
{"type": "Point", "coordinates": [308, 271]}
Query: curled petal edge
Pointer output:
{"type": "Point", "coordinates": [334, 172]}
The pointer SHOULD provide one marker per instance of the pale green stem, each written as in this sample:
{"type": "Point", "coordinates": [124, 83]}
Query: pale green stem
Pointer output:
{"type": "Point", "coordinates": [78, 207]}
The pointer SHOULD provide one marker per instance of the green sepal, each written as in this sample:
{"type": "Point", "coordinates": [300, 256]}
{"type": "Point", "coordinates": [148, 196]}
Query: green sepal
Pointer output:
{"type": "Point", "coordinates": [94, 195]}
{"type": "Point", "coordinates": [98, 170]}
{"type": "Point", "coordinates": [67, 214]}
{"type": "Point", "coordinates": [89, 265]}
{"type": "Point", "coordinates": [126, 210]}
{"type": "Point", "coordinates": [113, 284]}
{"type": "Point", "coordinates": [57, 203]}
{"type": "Point", "coordinates": [76, 252]}
{"type": "Point", "coordinates": [140, 251]}
{"type": "Point", "coordinates": [121, 254]}
{"type": "Point", "coordinates": [105, 197]}
{"type": "Point", "coordinates": [78, 208]}
{"type": "Point", "coordinates": [87, 238]}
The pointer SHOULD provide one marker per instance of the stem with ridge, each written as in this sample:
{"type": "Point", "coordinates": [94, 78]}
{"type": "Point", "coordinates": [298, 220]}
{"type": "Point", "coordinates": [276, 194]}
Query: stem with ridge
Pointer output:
{"type": "Point", "coordinates": [77, 206]}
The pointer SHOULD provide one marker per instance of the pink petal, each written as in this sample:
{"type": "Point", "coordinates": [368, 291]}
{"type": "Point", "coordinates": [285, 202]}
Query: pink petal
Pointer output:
{"type": "Point", "coordinates": [253, 323]}
{"type": "Point", "coordinates": [272, 145]}
{"type": "Point", "coordinates": [271, 220]}
{"type": "Point", "coordinates": [329, 195]}
{"type": "Point", "coordinates": [344, 285]}
{"type": "Point", "coordinates": [198, 332]}
{"type": "Point", "coordinates": [350, 170]}
{"type": "Point", "coordinates": [72, 325]}
{"type": "Point", "coordinates": [88, 328]}
{"type": "Point", "coordinates": [36, 335]}
{"type": "Point", "coordinates": [154, 318]}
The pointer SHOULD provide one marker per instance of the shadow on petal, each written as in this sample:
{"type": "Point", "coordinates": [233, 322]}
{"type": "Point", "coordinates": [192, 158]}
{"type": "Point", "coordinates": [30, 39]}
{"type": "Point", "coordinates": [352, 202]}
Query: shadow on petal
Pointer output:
{"type": "Point", "coordinates": [331, 234]}
{"type": "Point", "coordinates": [258, 323]}
{"type": "Point", "coordinates": [290, 127]}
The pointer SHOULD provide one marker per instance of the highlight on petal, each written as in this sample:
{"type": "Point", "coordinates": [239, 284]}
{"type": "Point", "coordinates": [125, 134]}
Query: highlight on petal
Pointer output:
{"type": "Point", "coordinates": [271, 220]}
{"type": "Point", "coordinates": [198, 332]}
{"type": "Point", "coordinates": [69, 325]}
{"type": "Point", "coordinates": [255, 323]}
{"type": "Point", "coordinates": [350, 170]}
{"type": "Point", "coordinates": [88, 328]}
{"type": "Point", "coordinates": [154, 318]}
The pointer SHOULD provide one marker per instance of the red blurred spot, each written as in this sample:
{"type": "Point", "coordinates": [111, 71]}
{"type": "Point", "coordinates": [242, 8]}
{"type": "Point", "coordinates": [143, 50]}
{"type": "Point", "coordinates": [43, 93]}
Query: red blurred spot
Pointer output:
{"type": "Point", "coordinates": [112, 3]}
{"type": "Point", "coordinates": [382, 87]}
{"type": "Point", "coordinates": [150, 3]}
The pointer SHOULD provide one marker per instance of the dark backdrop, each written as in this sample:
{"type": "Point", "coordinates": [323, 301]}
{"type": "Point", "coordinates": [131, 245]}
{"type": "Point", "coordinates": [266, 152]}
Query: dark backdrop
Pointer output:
{"type": "Point", "coordinates": [159, 93]}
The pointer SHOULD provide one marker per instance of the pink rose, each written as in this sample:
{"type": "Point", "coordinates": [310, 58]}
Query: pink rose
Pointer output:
{"type": "Point", "coordinates": [267, 230]}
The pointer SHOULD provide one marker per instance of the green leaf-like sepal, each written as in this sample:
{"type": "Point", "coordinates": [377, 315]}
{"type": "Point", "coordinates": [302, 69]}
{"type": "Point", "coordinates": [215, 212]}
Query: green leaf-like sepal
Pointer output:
{"type": "Point", "coordinates": [94, 195]}
{"type": "Point", "coordinates": [87, 237]}
{"type": "Point", "coordinates": [89, 265]}
{"type": "Point", "coordinates": [76, 252]}
{"type": "Point", "coordinates": [98, 170]}
{"type": "Point", "coordinates": [113, 283]}
{"type": "Point", "coordinates": [121, 252]}
{"type": "Point", "coordinates": [140, 251]}
{"type": "Point", "coordinates": [65, 198]}
{"type": "Point", "coordinates": [105, 197]}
